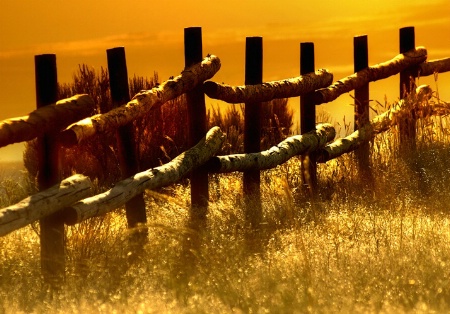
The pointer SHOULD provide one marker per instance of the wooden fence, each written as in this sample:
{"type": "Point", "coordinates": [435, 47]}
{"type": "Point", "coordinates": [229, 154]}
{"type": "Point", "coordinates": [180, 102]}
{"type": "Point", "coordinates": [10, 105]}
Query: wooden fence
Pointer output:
{"type": "Point", "coordinates": [69, 122]}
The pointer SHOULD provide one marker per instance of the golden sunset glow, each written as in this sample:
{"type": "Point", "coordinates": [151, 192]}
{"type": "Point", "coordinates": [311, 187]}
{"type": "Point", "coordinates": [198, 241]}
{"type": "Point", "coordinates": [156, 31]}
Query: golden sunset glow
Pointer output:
{"type": "Point", "coordinates": [152, 33]}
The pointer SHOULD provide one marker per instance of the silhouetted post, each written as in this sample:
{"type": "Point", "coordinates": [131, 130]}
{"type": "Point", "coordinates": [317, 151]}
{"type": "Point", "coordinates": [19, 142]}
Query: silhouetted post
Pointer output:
{"type": "Point", "coordinates": [308, 116]}
{"type": "Point", "coordinates": [196, 123]}
{"type": "Point", "coordinates": [361, 62]}
{"type": "Point", "coordinates": [51, 227]}
{"type": "Point", "coordinates": [120, 95]}
{"type": "Point", "coordinates": [408, 126]}
{"type": "Point", "coordinates": [252, 129]}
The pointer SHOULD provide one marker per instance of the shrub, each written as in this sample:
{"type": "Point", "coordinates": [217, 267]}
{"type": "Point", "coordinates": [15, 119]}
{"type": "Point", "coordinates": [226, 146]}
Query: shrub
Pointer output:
{"type": "Point", "coordinates": [159, 136]}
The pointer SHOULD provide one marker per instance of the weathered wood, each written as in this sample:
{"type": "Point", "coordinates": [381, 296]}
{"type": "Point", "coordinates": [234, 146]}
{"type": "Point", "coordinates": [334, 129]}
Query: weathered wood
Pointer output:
{"type": "Point", "coordinates": [151, 179]}
{"type": "Point", "coordinates": [277, 155]}
{"type": "Point", "coordinates": [193, 53]}
{"type": "Point", "coordinates": [371, 74]}
{"type": "Point", "coordinates": [308, 115]}
{"type": "Point", "coordinates": [51, 234]}
{"type": "Point", "coordinates": [377, 125]}
{"type": "Point", "coordinates": [251, 180]}
{"type": "Point", "coordinates": [46, 119]}
{"type": "Point", "coordinates": [407, 41]}
{"type": "Point", "coordinates": [44, 203]}
{"type": "Point", "coordinates": [407, 127]}
{"type": "Point", "coordinates": [361, 62]}
{"type": "Point", "coordinates": [120, 94]}
{"type": "Point", "coordinates": [319, 79]}
{"type": "Point", "coordinates": [434, 66]}
{"type": "Point", "coordinates": [267, 91]}
{"type": "Point", "coordinates": [142, 102]}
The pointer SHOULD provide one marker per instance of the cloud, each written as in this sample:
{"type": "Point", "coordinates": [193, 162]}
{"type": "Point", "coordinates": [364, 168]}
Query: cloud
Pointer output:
{"type": "Point", "coordinates": [327, 26]}
{"type": "Point", "coordinates": [95, 45]}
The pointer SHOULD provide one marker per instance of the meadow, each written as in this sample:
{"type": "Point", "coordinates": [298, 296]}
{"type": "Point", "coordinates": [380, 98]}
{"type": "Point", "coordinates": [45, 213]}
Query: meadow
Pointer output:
{"type": "Point", "coordinates": [355, 246]}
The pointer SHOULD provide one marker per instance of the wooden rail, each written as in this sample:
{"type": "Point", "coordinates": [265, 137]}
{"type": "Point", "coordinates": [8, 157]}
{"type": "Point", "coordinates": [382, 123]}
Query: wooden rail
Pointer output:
{"type": "Point", "coordinates": [42, 204]}
{"type": "Point", "coordinates": [45, 119]}
{"type": "Point", "coordinates": [154, 178]}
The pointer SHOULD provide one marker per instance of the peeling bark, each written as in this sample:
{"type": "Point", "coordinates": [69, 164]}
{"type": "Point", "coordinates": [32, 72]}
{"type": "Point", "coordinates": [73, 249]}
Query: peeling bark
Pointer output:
{"type": "Point", "coordinates": [370, 74]}
{"type": "Point", "coordinates": [380, 124]}
{"type": "Point", "coordinates": [154, 178]}
{"type": "Point", "coordinates": [290, 147]}
{"type": "Point", "coordinates": [292, 87]}
{"type": "Point", "coordinates": [44, 203]}
{"type": "Point", "coordinates": [46, 119]}
{"type": "Point", "coordinates": [434, 66]}
{"type": "Point", "coordinates": [142, 102]}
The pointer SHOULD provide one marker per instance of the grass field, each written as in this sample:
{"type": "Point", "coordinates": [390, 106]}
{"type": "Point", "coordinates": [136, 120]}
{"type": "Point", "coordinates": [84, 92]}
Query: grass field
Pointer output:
{"type": "Point", "coordinates": [357, 247]}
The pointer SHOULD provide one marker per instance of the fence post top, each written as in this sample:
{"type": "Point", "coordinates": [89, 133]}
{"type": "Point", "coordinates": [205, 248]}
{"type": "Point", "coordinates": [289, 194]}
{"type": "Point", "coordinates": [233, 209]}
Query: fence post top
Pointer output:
{"type": "Point", "coordinates": [253, 38]}
{"type": "Point", "coordinates": [407, 27]}
{"type": "Point", "coordinates": [45, 55]}
{"type": "Point", "coordinates": [192, 28]}
{"type": "Point", "coordinates": [116, 48]}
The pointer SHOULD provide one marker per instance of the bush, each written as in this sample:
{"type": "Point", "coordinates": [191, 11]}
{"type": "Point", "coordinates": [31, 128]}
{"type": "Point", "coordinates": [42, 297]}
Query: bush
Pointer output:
{"type": "Point", "coordinates": [95, 157]}
{"type": "Point", "coordinates": [159, 136]}
{"type": "Point", "coordinates": [276, 124]}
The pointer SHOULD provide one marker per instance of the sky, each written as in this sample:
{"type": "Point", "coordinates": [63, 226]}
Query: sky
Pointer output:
{"type": "Point", "coordinates": [79, 32]}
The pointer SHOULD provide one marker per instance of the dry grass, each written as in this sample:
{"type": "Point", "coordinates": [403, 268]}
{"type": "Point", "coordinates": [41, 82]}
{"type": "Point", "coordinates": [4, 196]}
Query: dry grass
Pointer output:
{"type": "Point", "coordinates": [378, 248]}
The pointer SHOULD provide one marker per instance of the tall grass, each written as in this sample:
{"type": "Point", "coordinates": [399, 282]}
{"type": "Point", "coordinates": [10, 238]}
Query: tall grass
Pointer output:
{"type": "Point", "coordinates": [383, 248]}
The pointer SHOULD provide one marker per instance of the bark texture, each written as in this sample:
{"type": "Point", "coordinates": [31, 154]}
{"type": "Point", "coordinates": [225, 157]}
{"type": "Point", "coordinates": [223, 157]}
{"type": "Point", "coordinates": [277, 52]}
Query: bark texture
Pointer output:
{"type": "Point", "coordinates": [142, 102]}
{"type": "Point", "coordinates": [46, 119]}
{"type": "Point", "coordinates": [154, 178]}
{"type": "Point", "coordinates": [381, 123]}
{"type": "Point", "coordinates": [434, 66]}
{"type": "Point", "coordinates": [290, 147]}
{"type": "Point", "coordinates": [370, 74]}
{"type": "Point", "coordinates": [44, 203]}
{"type": "Point", "coordinates": [292, 87]}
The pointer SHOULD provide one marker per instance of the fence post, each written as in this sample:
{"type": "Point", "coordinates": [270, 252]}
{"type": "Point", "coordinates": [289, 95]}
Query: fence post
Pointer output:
{"type": "Point", "coordinates": [252, 130]}
{"type": "Point", "coordinates": [407, 127]}
{"type": "Point", "coordinates": [197, 127]}
{"type": "Point", "coordinates": [308, 116]}
{"type": "Point", "coordinates": [361, 62]}
{"type": "Point", "coordinates": [51, 227]}
{"type": "Point", "coordinates": [120, 94]}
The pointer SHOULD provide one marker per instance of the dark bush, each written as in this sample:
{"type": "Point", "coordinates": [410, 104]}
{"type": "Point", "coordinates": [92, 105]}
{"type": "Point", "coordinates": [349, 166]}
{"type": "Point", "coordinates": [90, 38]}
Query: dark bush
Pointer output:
{"type": "Point", "coordinates": [159, 136]}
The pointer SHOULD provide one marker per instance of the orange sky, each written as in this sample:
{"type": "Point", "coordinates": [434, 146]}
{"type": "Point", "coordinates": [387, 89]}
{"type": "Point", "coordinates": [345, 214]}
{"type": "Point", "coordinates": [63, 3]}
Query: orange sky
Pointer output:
{"type": "Point", "coordinates": [152, 34]}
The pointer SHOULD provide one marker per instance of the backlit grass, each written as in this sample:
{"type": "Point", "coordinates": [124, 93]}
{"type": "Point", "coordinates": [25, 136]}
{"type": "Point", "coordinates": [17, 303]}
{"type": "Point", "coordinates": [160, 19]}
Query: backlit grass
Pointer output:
{"type": "Point", "coordinates": [358, 247]}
